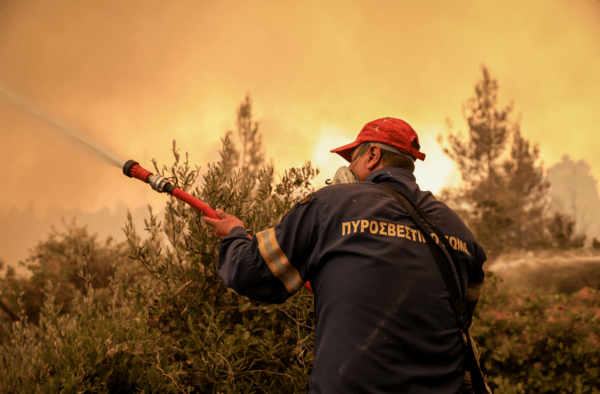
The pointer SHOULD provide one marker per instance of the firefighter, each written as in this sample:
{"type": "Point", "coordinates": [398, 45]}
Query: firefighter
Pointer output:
{"type": "Point", "coordinates": [383, 318]}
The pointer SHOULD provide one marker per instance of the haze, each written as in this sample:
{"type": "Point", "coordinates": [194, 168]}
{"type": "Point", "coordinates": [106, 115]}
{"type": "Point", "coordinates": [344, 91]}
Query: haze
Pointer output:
{"type": "Point", "coordinates": [136, 75]}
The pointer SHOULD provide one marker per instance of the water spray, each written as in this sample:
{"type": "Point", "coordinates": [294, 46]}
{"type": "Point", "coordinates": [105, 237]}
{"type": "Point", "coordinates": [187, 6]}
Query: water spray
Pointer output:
{"type": "Point", "coordinates": [89, 146]}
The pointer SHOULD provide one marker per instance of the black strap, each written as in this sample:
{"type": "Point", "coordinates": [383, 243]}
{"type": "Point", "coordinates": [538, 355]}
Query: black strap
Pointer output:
{"type": "Point", "coordinates": [444, 265]}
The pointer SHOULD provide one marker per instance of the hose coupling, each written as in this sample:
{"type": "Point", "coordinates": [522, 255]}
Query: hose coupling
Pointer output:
{"type": "Point", "coordinates": [158, 183]}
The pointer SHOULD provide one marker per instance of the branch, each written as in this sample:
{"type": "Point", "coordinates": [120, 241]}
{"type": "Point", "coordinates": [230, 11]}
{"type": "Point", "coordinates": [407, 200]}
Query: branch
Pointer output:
{"type": "Point", "coordinates": [6, 309]}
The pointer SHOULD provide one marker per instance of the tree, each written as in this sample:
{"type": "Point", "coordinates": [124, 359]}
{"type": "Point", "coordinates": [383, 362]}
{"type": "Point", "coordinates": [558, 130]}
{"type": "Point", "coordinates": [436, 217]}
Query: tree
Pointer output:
{"type": "Point", "coordinates": [503, 189]}
{"type": "Point", "coordinates": [479, 157]}
{"type": "Point", "coordinates": [63, 259]}
{"type": "Point", "coordinates": [526, 197]}
{"type": "Point", "coordinates": [562, 231]}
{"type": "Point", "coordinates": [250, 155]}
{"type": "Point", "coordinates": [573, 191]}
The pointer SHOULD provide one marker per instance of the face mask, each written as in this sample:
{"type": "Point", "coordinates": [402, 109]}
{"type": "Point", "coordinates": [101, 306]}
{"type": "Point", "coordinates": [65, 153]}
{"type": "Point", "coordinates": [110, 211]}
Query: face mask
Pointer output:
{"type": "Point", "coordinates": [342, 175]}
{"type": "Point", "coordinates": [345, 174]}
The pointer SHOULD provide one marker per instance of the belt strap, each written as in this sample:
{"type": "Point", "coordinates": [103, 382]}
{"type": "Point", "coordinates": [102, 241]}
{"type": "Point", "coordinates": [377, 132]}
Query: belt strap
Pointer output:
{"type": "Point", "coordinates": [441, 260]}
{"type": "Point", "coordinates": [445, 265]}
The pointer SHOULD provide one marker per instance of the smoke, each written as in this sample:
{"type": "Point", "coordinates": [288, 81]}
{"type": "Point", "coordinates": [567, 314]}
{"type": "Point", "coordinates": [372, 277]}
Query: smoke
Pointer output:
{"type": "Point", "coordinates": [135, 75]}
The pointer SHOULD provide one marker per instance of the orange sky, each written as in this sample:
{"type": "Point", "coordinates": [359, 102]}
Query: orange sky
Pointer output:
{"type": "Point", "coordinates": [135, 75]}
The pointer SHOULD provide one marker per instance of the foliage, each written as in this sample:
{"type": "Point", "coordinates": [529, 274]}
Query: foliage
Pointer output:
{"type": "Point", "coordinates": [480, 158]}
{"type": "Point", "coordinates": [249, 157]}
{"type": "Point", "coordinates": [531, 341]}
{"type": "Point", "coordinates": [83, 351]}
{"type": "Point", "coordinates": [573, 191]}
{"type": "Point", "coordinates": [562, 231]}
{"type": "Point", "coordinates": [224, 340]}
{"type": "Point", "coordinates": [538, 342]}
{"type": "Point", "coordinates": [503, 184]}
{"type": "Point", "coordinates": [60, 259]}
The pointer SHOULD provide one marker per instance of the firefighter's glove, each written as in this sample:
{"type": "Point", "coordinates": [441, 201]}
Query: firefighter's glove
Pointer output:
{"type": "Point", "coordinates": [225, 225]}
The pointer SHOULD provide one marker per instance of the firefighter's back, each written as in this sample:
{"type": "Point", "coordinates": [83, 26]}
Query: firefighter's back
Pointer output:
{"type": "Point", "coordinates": [383, 315]}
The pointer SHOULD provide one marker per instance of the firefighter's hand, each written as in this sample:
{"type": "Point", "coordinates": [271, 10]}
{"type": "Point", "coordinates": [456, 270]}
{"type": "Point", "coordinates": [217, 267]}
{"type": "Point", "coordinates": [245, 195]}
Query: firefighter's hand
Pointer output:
{"type": "Point", "coordinates": [225, 225]}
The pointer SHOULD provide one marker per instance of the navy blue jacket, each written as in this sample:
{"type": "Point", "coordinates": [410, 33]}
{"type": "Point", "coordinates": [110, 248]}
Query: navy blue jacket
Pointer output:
{"type": "Point", "coordinates": [384, 323]}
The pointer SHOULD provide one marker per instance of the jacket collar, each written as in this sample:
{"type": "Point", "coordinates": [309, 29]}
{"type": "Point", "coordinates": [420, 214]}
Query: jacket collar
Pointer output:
{"type": "Point", "coordinates": [388, 174]}
{"type": "Point", "coordinates": [402, 179]}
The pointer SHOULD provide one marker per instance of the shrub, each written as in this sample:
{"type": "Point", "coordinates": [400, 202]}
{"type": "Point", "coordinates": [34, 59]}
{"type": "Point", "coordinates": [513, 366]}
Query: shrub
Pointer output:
{"type": "Point", "coordinates": [60, 259]}
{"type": "Point", "coordinates": [223, 340]}
{"type": "Point", "coordinates": [532, 341]}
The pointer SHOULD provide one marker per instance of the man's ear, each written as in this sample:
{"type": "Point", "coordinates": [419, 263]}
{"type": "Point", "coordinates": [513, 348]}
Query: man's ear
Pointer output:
{"type": "Point", "coordinates": [374, 153]}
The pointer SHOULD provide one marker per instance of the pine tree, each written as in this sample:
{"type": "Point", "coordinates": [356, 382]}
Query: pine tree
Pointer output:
{"type": "Point", "coordinates": [562, 232]}
{"type": "Point", "coordinates": [573, 192]}
{"type": "Point", "coordinates": [503, 189]}
{"type": "Point", "coordinates": [249, 156]}
{"type": "Point", "coordinates": [479, 157]}
{"type": "Point", "coordinates": [526, 193]}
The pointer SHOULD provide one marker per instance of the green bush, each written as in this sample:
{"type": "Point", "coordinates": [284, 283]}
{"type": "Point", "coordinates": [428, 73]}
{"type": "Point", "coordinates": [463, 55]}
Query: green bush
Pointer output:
{"type": "Point", "coordinates": [60, 259]}
{"type": "Point", "coordinates": [532, 341]}
{"type": "Point", "coordinates": [224, 342]}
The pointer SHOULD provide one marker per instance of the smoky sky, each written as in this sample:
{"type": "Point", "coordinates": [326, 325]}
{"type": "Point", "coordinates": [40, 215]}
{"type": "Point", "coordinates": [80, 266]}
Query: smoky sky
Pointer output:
{"type": "Point", "coordinates": [136, 75]}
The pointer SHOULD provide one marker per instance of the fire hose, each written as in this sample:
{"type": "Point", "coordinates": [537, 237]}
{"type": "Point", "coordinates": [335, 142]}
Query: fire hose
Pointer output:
{"type": "Point", "coordinates": [133, 170]}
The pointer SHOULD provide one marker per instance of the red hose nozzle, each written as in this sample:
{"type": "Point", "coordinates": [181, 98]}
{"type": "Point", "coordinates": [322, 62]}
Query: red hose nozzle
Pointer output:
{"type": "Point", "coordinates": [127, 167]}
{"type": "Point", "coordinates": [133, 170]}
